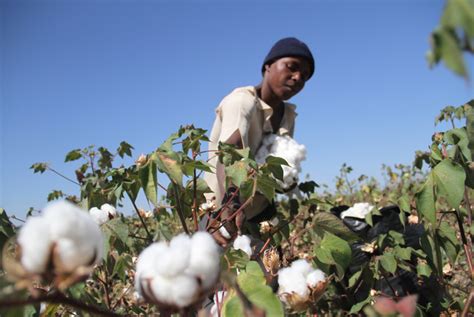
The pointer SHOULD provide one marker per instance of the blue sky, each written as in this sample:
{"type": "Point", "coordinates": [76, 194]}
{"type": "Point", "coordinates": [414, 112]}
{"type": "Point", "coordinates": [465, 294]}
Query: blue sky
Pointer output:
{"type": "Point", "coordinates": [75, 73]}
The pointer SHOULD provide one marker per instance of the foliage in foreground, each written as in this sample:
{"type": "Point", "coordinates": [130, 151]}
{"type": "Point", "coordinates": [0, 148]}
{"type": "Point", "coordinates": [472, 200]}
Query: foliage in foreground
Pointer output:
{"type": "Point", "coordinates": [418, 238]}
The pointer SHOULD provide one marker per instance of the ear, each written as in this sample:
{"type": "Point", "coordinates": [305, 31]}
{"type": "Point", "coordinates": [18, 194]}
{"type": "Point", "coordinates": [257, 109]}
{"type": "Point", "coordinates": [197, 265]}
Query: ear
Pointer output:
{"type": "Point", "coordinates": [267, 67]}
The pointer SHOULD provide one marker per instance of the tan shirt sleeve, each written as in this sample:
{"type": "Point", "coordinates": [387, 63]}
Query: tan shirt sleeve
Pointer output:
{"type": "Point", "coordinates": [235, 112]}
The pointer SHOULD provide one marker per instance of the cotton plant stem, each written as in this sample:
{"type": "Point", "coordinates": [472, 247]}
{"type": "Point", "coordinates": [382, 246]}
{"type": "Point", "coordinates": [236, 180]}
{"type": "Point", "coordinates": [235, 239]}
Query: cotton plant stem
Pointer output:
{"type": "Point", "coordinates": [150, 237]}
{"type": "Point", "coordinates": [195, 204]}
{"type": "Point", "coordinates": [57, 298]}
{"type": "Point", "coordinates": [63, 176]}
{"type": "Point", "coordinates": [468, 305]}
{"type": "Point", "coordinates": [179, 209]}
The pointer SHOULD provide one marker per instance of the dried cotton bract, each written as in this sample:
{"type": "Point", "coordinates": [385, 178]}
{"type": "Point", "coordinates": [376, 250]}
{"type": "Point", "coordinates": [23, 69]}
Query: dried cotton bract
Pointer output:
{"type": "Point", "coordinates": [178, 274]}
{"type": "Point", "coordinates": [300, 285]}
{"type": "Point", "coordinates": [104, 214]}
{"type": "Point", "coordinates": [359, 210]}
{"type": "Point", "coordinates": [286, 148]}
{"type": "Point", "coordinates": [63, 240]}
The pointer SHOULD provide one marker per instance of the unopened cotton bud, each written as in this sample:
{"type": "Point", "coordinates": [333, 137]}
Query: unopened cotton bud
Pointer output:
{"type": "Point", "coordinates": [142, 159]}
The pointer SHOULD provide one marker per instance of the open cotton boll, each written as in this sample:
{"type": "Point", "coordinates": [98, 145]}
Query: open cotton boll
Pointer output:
{"type": "Point", "coordinates": [176, 258]}
{"type": "Point", "coordinates": [184, 289]}
{"type": "Point", "coordinates": [302, 266]}
{"type": "Point", "coordinates": [204, 261]}
{"type": "Point", "coordinates": [162, 289]}
{"type": "Point", "coordinates": [315, 277]}
{"type": "Point", "coordinates": [243, 243]}
{"type": "Point", "coordinates": [359, 210]}
{"type": "Point", "coordinates": [109, 209]}
{"type": "Point", "coordinates": [286, 148]}
{"type": "Point", "coordinates": [100, 216]}
{"type": "Point", "coordinates": [291, 280]}
{"type": "Point", "coordinates": [35, 244]}
{"type": "Point", "coordinates": [76, 236]}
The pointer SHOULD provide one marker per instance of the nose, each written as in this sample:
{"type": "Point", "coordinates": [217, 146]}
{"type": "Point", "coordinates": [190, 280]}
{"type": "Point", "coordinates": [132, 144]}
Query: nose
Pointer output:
{"type": "Point", "coordinates": [297, 76]}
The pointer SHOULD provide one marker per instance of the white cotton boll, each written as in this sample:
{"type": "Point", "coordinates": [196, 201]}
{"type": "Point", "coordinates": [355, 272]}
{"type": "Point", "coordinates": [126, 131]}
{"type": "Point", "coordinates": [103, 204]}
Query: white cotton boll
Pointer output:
{"type": "Point", "coordinates": [176, 258]}
{"type": "Point", "coordinates": [162, 289]}
{"type": "Point", "coordinates": [243, 243]}
{"type": "Point", "coordinates": [204, 261]}
{"type": "Point", "coordinates": [146, 266]}
{"type": "Point", "coordinates": [225, 233]}
{"type": "Point", "coordinates": [359, 210]}
{"type": "Point", "coordinates": [100, 216]}
{"type": "Point", "coordinates": [315, 277]}
{"type": "Point", "coordinates": [302, 266]}
{"type": "Point", "coordinates": [286, 148]}
{"type": "Point", "coordinates": [184, 289]}
{"type": "Point", "coordinates": [292, 281]}
{"type": "Point", "coordinates": [274, 221]}
{"type": "Point", "coordinates": [109, 209]}
{"type": "Point", "coordinates": [35, 244]}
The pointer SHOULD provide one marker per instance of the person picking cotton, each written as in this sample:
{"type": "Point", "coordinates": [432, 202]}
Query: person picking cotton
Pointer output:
{"type": "Point", "coordinates": [248, 114]}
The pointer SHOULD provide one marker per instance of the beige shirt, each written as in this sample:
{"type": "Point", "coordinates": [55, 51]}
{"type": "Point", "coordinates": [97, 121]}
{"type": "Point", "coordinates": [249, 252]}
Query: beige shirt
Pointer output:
{"type": "Point", "coordinates": [243, 110]}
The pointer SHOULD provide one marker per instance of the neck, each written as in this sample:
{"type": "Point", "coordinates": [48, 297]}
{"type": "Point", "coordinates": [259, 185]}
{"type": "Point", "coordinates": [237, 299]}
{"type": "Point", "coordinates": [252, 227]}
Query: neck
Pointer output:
{"type": "Point", "coordinates": [268, 96]}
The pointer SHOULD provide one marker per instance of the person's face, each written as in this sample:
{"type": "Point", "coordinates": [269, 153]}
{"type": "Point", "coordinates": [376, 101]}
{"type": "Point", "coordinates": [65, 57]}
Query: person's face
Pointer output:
{"type": "Point", "coordinates": [287, 76]}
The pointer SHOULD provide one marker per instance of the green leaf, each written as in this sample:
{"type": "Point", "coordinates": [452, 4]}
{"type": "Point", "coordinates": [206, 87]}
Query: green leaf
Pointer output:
{"type": "Point", "coordinates": [423, 269]}
{"type": "Point", "coordinates": [124, 148]}
{"type": "Point", "coordinates": [336, 251]}
{"type": "Point", "coordinates": [403, 253]}
{"type": "Point", "coordinates": [326, 222]}
{"type": "Point", "coordinates": [73, 155]}
{"type": "Point", "coordinates": [39, 167]}
{"type": "Point", "coordinates": [449, 241]}
{"type": "Point", "coordinates": [266, 185]}
{"type": "Point", "coordinates": [252, 283]}
{"type": "Point", "coordinates": [149, 181]}
{"type": "Point", "coordinates": [168, 164]}
{"type": "Point", "coordinates": [459, 137]}
{"type": "Point", "coordinates": [354, 278]}
{"type": "Point", "coordinates": [118, 228]}
{"type": "Point", "coordinates": [388, 262]}
{"type": "Point", "coordinates": [470, 125]}
{"type": "Point", "coordinates": [449, 178]}
{"type": "Point", "coordinates": [425, 200]}
{"type": "Point", "coordinates": [236, 173]}
{"type": "Point", "coordinates": [357, 307]}
{"type": "Point", "coordinates": [232, 307]}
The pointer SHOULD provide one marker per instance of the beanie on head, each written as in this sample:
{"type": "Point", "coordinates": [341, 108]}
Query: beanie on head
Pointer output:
{"type": "Point", "coordinates": [287, 47]}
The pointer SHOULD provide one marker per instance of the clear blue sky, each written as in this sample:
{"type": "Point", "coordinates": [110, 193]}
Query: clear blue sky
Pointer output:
{"type": "Point", "coordinates": [75, 73]}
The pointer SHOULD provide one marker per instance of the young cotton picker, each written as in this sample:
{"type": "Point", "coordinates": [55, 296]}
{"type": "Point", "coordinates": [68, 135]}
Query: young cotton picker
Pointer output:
{"type": "Point", "coordinates": [248, 114]}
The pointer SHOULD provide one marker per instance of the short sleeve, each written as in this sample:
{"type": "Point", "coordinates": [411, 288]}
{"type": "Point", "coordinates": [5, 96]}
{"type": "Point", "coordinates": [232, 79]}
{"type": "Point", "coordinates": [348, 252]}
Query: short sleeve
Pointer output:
{"type": "Point", "coordinates": [235, 112]}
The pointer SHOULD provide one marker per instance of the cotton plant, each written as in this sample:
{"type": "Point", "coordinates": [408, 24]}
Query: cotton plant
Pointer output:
{"type": "Point", "coordinates": [218, 300]}
{"type": "Point", "coordinates": [359, 210]}
{"type": "Point", "coordinates": [103, 214]}
{"type": "Point", "coordinates": [178, 274]}
{"type": "Point", "coordinates": [286, 148]}
{"type": "Point", "coordinates": [62, 245]}
{"type": "Point", "coordinates": [300, 285]}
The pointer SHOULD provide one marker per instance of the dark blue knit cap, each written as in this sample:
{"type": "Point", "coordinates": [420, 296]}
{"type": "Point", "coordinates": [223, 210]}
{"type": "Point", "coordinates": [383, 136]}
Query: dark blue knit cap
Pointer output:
{"type": "Point", "coordinates": [287, 47]}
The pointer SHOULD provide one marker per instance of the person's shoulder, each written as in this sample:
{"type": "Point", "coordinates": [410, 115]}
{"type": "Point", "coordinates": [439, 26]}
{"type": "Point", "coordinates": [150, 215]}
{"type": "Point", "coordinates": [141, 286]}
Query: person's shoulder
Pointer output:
{"type": "Point", "coordinates": [291, 108]}
{"type": "Point", "coordinates": [242, 97]}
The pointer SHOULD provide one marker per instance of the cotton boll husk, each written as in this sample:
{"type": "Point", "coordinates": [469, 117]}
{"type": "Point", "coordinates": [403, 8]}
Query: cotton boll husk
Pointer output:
{"type": "Point", "coordinates": [109, 209]}
{"type": "Point", "coordinates": [315, 277]}
{"type": "Point", "coordinates": [184, 289]}
{"type": "Point", "coordinates": [100, 216]}
{"type": "Point", "coordinates": [35, 244]}
{"type": "Point", "coordinates": [176, 258]}
{"type": "Point", "coordinates": [243, 243]}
